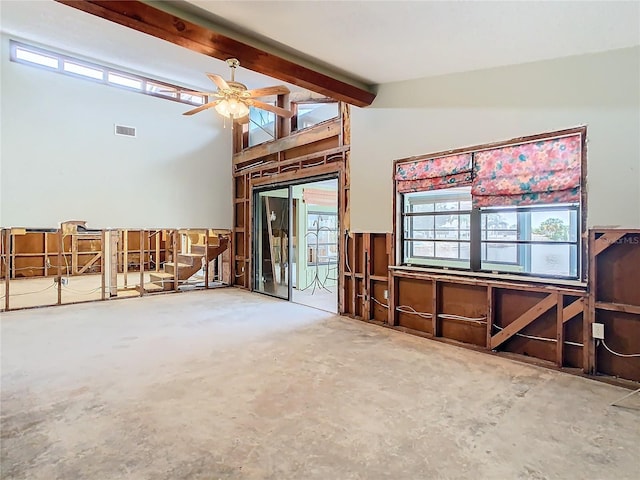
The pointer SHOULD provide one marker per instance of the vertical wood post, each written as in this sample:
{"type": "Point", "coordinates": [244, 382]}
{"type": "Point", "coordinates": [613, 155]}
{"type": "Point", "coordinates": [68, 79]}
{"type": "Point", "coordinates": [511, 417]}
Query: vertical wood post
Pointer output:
{"type": "Point", "coordinates": [391, 319]}
{"type": "Point", "coordinates": [206, 259]}
{"type": "Point", "coordinates": [434, 308]}
{"type": "Point", "coordinates": [142, 262]}
{"type": "Point", "coordinates": [125, 256]}
{"type": "Point", "coordinates": [157, 235]}
{"type": "Point", "coordinates": [366, 276]}
{"type": "Point", "coordinates": [7, 266]}
{"type": "Point", "coordinates": [60, 254]}
{"type": "Point", "coordinates": [588, 350]}
{"type": "Point", "coordinates": [174, 243]}
{"type": "Point", "coordinates": [490, 315]}
{"type": "Point", "coordinates": [103, 239]}
{"type": "Point", "coordinates": [559, 330]}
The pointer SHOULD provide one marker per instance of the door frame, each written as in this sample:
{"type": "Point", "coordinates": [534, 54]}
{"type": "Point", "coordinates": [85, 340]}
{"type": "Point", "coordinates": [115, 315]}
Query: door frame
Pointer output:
{"type": "Point", "coordinates": [287, 180]}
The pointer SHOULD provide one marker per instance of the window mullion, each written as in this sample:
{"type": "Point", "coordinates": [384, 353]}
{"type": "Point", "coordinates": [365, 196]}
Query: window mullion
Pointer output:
{"type": "Point", "coordinates": [475, 249]}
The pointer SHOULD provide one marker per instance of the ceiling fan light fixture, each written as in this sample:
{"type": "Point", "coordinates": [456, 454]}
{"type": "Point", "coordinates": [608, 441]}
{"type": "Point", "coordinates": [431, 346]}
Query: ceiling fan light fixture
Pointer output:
{"type": "Point", "coordinates": [232, 108]}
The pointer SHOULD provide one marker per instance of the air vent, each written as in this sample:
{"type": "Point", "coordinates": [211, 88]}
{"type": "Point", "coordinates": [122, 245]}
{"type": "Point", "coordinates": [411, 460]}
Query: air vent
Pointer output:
{"type": "Point", "coordinates": [125, 131]}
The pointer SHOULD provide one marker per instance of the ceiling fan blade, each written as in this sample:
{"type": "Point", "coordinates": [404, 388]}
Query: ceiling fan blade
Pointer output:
{"type": "Point", "coordinates": [242, 120]}
{"type": "Point", "coordinates": [201, 108]}
{"type": "Point", "coordinates": [219, 81]}
{"type": "Point", "coordinates": [270, 108]}
{"type": "Point", "coordinates": [264, 92]}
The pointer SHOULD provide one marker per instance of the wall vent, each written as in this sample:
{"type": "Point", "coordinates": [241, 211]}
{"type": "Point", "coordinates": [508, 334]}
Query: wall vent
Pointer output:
{"type": "Point", "coordinates": [125, 131]}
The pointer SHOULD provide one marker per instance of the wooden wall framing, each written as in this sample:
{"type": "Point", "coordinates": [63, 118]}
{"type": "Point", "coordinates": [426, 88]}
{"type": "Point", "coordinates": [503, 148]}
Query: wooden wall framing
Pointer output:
{"type": "Point", "coordinates": [547, 324]}
{"type": "Point", "coordinates": [318, 151]}
{"type": "Point", "coordinates": [67, 252]}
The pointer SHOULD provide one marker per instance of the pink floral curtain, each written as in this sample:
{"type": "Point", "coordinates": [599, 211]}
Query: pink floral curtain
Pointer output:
{"type": "Point", "coordinates": [547, 171]}
{"type": "Point", "coordinates": [434, 173]}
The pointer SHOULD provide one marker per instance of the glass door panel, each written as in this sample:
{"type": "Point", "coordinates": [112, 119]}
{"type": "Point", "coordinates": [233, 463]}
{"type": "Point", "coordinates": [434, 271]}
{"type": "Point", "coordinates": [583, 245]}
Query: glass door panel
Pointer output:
{"type": "Point", "coordinates": [271, 242]}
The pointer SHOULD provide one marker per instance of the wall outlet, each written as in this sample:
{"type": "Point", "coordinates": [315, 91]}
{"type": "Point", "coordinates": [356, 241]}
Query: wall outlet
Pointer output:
{"type": "Point", "coordinates": [597, 331]}
{"type": "Point", "coordinates": [386, 294]}
{"type": "Point", "coordinates": [64, 281]}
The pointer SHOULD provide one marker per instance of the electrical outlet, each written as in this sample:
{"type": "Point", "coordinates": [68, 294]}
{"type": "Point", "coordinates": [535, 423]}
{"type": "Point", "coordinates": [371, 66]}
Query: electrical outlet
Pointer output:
{"type": "Point", "coordinates": [64, 281]}
{"type": "Point", "coordinates": [597, 331]}
{"type": "Point", "coordinates": [386, 294]}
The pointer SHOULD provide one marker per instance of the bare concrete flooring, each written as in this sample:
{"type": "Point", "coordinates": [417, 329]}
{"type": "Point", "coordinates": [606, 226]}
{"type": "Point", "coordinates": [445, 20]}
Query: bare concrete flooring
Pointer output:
{"type": "Point", "coordinates": [225, 384]}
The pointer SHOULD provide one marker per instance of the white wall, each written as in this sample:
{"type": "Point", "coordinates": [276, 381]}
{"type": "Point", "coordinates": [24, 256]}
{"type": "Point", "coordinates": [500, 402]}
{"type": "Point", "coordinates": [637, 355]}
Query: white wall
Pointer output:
{"type": "Point", "coordinates": [60, 159]}
{"type": "Point", "coordinates": [429, 115]}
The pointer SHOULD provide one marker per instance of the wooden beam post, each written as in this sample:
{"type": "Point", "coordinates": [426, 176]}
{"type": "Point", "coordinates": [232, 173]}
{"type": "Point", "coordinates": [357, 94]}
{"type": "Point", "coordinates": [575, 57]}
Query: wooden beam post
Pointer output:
{"type": "Point", "coordinates": [157, 235]}
{"type": "Point", "coordinates": [7, 267]}
{"type": "Point", "coordinates": [60, 255]}
{"type": "Point", "coordinates": [559, 330]}
{"type": "Point", "coordinates": [434, 308]}
{"type": "Point", "coordinates": [142, 262]}
{"type": "Point", "coordinates": [174, 242]}
{"type": "Point", "coordinates": [103, 240]}
{"type": "Point", "coordinates": [206, 259]}
{"type": "Point", "coordinates": [125, 256]}
{"type": "Point", "coordinates": [366, 277]}
{"type": "Point", "coordinates": [490, 314]}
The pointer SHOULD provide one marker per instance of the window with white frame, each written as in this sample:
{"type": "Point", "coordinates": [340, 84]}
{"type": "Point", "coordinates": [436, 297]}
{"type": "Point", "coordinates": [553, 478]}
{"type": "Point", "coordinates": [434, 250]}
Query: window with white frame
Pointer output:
{"type": "Point", "coordinates": [75, 67]}
{"type": "Point", "coordinates": [515, 208]}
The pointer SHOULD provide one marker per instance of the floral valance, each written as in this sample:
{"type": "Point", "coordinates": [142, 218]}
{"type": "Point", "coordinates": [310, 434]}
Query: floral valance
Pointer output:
{"type": "Point", "coordinates": [547, 171]}
{"type": "Point", "coordinates": [434, 173]}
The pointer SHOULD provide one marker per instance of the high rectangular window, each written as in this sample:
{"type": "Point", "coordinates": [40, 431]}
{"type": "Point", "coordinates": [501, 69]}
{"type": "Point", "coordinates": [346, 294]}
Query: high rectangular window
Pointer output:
{"type": "Point", "coordinates": [57, 62]}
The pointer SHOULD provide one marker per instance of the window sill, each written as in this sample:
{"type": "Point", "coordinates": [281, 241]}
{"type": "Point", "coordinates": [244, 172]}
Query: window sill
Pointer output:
{"type": "Point", "coordinates": [493, 276]}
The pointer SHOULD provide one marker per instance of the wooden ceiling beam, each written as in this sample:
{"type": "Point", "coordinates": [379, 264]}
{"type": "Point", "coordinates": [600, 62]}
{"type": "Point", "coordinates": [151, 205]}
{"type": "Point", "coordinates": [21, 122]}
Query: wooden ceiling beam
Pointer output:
{"type": "Point", "coordinates": [152, 21]}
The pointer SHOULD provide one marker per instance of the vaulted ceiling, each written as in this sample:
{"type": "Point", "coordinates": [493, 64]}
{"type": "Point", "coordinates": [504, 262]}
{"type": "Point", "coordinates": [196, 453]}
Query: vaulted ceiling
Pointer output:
{"type": "Point", "coordinates": [363, 43]}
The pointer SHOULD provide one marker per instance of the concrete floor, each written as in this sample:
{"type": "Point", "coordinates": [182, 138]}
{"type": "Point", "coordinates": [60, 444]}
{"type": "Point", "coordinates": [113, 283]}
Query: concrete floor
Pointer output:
{"type": "Point", "coordinates": [225, 384]}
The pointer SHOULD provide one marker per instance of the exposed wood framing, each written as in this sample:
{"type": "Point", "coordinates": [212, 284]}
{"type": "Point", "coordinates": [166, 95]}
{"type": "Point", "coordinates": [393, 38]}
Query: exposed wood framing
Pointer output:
{"type": "Point", "coordinates": [606, 240]}
{"type": "Point", "coordinates": [87, 265]}
{"type": "Point", "coordinates": [523, 320]}
{"type": "Point", "coordinates": [572, 310]}
{"type": "Point", "coordinates": [150, 20]}
{"type": "Point", "coordinates": [322, 131]}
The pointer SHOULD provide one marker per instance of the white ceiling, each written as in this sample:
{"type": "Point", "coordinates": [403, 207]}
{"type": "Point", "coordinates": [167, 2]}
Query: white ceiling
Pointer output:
{"type": "Point", "coordinates": [387, 41]}
{"type": "Point", "coordinates": [374, 41]}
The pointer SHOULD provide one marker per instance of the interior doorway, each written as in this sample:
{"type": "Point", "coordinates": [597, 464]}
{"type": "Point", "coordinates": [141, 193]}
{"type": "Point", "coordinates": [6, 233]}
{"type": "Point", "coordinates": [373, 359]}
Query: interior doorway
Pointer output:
{"type": "Point", "coordinates": [296, 233]}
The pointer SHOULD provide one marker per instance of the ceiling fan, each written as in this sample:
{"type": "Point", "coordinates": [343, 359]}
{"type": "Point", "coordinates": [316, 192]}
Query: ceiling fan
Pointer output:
{"type": "Point", "coordinates": [232, 99]}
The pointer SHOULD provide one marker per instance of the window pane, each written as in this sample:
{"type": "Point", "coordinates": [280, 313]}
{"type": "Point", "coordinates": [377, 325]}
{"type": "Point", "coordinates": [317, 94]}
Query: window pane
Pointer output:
{"type": "Point", "coordinates": [447, 250]}
{"type": "Point", "coordinates": [188, 97]}
{"type": "Point", "coordinates": [310, 114]}
{"type": "Point", "coordinates": [124, 81]}
{"type": "Point", "coordinates": [557, 260]}
{"type": "Point", "coordinates": [552, 226]}
{"type": "Point", "coordinates": [159, 89]}
{"type": "Point", "coordinates": [421, 249]}
{"type": "Point", "coordinates": [83, 70]}
{"type": "Point", "coordinates": [423, 223]}
{"type": "Point", "coordinates": [499, 252]}
{"type": "Point", "coordinates": [37, 58]}
{"type": "Point", "coordinates": [420, 207]}
{"type": "Point", "coordinates": [262, 126]}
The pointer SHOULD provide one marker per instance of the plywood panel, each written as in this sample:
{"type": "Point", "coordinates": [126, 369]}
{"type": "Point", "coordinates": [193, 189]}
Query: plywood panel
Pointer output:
{"type": "Point", "coordinates": [378, 312]}
{"type": "Point", "coordinates": [468, 301]}
{"type": "Point", "coordinates": [509, 305]}
{"type": "Point", "coordinates": [618, 278]}
{"type": "Point", "coordinates": [621, 336]}
{"type": "Point", "coordinates": [379, 257]}
{"type": "Point", "coordinates": [417, 294]}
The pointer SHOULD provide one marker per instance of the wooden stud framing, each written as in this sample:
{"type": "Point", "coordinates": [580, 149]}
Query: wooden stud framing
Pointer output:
{"type": "Point", "coordinates": [103, 273]}
{"type": "Point", "coordinates": [142, 262]}
{"type": "Point", "coordinates": [559, 330]}
{"type": "Point", "coordinates": [174, 240]}
{"type": "Point", "coordinates": [434, 308]}
{"type": "Point", "coordinates": [523, 320]}
{"type": "Point", "coordinates": [7, 270]}
{"type": "Point", "coordinates": [60, 255]}
{"type": "Point", "coordinates": [490, 314]}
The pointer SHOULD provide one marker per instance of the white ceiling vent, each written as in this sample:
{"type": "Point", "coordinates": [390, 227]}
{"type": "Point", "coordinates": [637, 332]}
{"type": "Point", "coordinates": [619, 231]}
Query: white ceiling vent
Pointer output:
{"type": "Point", "coordinates": [125, 131]}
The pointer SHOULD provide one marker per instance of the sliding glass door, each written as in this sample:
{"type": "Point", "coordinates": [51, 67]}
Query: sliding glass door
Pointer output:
{"type": "Point", "coordinates": [295, 242]}
{"type": "Point", "coordinates": [271, 242]}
